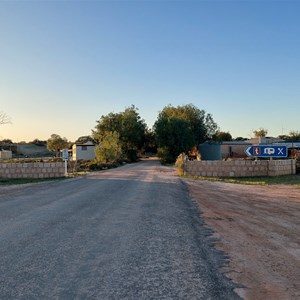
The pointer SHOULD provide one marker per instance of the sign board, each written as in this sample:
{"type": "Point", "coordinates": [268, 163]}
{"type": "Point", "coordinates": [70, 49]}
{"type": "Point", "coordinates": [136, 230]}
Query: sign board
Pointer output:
{"type": "Point", "coordinates": [65, 154]}
{"type": "Point", "coordinates": [267, 151]}
{"type": "Point", "coordinates": [65, 157]}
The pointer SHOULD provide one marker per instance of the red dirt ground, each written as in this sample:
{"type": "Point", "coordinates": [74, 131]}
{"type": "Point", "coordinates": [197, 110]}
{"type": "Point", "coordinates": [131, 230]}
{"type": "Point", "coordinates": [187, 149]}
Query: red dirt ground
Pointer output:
{"type": "Point", "coordinates": [259, 229]}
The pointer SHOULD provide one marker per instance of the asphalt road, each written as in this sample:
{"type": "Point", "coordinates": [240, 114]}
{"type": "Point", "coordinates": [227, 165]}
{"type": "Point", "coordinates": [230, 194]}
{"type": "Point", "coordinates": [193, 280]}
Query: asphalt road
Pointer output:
{"type": "Point", "coordinates": [126, 233]}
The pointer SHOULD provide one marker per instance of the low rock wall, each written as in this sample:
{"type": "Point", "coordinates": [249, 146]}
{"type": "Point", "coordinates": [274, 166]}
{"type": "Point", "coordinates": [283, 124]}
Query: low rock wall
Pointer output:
{"type": "Point", "coordinates": [32, 170]}
{"type": "Point", "coordinates": [240, 168]}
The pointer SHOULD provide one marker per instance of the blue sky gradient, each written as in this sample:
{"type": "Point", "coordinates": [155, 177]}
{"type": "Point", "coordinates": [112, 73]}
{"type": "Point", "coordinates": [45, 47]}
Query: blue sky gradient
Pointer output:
{"type": "Point", "coordinates": [63, 64]}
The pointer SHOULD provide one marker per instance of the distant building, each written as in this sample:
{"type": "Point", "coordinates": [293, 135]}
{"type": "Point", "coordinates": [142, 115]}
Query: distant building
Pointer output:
{"type": "Point", "coordinates": [234, 149]}
{"type": "Point", "coordinates": [264, 140]}
{"type": "Point", "coordinates": [82, 151]}
{"type": "Point", "coordinates": [5, 154]}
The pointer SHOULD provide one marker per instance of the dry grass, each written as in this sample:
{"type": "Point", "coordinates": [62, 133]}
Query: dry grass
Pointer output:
{"type": "Point", "coordinates": [293, 180]}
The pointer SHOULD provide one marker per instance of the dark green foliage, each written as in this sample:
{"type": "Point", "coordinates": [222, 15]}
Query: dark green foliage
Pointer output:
{"type": "Point", "coordinates": [295, 135]}
{"type": "Point", "coordinates": [38, 142]}
{"type": "Point", "coordinates": [56, 143]}
{"type": "Point", "coordinates": [165, 155]}
{"type": "Point", "coordinates": [261, 132]}
{"type": "Point", "coordinates": [130, 127]}
{"type": "Point", "coordinates": [131, 155]}
{"type": "Point", "coordinates": [109, 149]}
{"type": "Point", "coordinates": [150, 145]}
{"type": "Point", "coordinates": [92, 165]}
{"type": "Point", "coordinates": [178, 129]}
{"type": "Point", "coordinates": [6, 142]}
{"type": "Point", "coordinates": [222, 136]}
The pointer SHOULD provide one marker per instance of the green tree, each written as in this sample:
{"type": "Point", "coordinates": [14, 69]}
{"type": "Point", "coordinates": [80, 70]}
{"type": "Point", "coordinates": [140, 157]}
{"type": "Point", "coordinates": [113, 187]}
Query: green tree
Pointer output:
{"type": "Point", "coordinates": [150, 145]}
{"type": "Point", "coordinates": [261, 132]}
{"type": "Point", "coordinates": [284, 137]}
{"type": "Point", "coordinates": [6, 142]}
{"type": "Point", "coordinates": [130, 127]}
{"type": "Point", "coordinates": [38, 142]}
{"type": "Point", "coordinates": [178, 129]}
{"type": "Point", "coordinates": [109, 149]}
{"type": "Point", "coordinates": [222, 136]}
{"type": "Point", "coordinates": [294, 135]}
{"type": "Point", "coordinates": [56, 143]}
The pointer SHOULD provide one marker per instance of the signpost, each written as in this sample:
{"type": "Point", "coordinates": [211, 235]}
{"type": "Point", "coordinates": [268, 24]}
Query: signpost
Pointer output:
{"type": "Point", "coordinates": [267, 151]}
{"type": "Point", "coordinates": [65, 157]}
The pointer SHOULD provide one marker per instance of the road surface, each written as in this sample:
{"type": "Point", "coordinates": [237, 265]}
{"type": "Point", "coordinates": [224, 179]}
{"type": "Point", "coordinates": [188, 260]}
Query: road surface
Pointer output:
{"type": "Point", "coordinates": [126, 233]}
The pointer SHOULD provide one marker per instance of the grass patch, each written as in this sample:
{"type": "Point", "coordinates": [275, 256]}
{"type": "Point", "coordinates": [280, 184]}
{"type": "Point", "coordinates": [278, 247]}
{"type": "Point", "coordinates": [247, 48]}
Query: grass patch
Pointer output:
{"type": "Point", "coordinates": [293, 180]}
{"type": "Point", "coordinates": [11, 181]}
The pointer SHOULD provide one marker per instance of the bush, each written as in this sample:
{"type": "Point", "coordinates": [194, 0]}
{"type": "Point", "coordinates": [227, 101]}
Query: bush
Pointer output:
{"type": "Point", "coordinates": [164, 154]}
{"type": "Point", "coordinates": [90, 165]}
{"type": "Point", "coordinates": [179, 164]}
{"type": "Point", "coordinates": [109, 150]}
{"type": "Point", "coordinates": [131, 156]}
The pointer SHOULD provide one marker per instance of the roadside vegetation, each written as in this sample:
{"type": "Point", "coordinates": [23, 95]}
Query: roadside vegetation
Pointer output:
{"type": "Point", "coordinates": [84, 166]}
{"type": "Point", "coordinates": [120, 136]}
{"type": "Point", "coordinates": [124, 136]}
{"type": "Point", "coordinates": [179, 129]}
{"type": "Point", "coordinates": [293, 180]}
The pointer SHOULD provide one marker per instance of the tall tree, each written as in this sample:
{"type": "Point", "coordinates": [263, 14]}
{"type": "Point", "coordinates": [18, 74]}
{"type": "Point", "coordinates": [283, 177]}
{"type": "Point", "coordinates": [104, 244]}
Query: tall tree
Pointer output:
{"type": "Point", "coordinates": [222, 136]}
{"type": "Point", "coordinates": [284, 137]}
{"type": "Point", "coordinates": [178, 129]}
{"type": "Point", "coordinates": [295, 135]}
{"type": "Point", "coordinates": [261, 132]}
{"type": "Point", "coordinates": [6, 142]}
{"type": "Point", "coordinates": [150, 145]}
{"type": "Point", "coordinates": [130, 127]}
{"type": "Point", "coordinates": [56, 143]}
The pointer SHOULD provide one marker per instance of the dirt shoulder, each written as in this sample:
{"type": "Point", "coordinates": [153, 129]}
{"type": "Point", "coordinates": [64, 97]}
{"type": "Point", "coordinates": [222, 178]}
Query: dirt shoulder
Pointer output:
{"type": "Point", "coordinates": [258, 228]}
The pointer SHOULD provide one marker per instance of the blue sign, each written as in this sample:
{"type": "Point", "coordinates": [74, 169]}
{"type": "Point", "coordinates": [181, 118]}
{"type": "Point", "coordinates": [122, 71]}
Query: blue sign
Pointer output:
{"type": "Point", "coordinates": [267, 151]}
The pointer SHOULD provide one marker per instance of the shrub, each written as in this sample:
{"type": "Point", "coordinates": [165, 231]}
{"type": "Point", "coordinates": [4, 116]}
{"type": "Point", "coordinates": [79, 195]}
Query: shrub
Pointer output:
{"type": "Point", "coordinates": [179, 164]}
{"type": "Point", "coordinates": [165, 155]}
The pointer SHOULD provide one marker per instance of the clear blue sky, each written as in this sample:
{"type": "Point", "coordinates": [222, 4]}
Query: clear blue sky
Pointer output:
{"type": "Point", "coordinates": [63, 64]}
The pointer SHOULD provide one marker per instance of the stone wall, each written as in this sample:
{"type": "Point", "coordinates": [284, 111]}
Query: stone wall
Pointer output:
{"type": "Point", "coordinates": [240, 168]}
{"type": "Point", "coordinates": [32, 170]}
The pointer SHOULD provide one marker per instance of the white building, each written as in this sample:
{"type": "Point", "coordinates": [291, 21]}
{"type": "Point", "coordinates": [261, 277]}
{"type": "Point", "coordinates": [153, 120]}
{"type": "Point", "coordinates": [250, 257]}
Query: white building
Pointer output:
{"type": "Point", "coordinates": [83, 151]}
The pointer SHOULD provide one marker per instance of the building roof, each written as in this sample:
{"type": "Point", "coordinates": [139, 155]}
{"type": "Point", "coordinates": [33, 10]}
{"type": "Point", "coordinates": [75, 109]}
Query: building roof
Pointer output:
{"type": "Point", "coordinates": [89, 143]}
{"type": "Point", "coordinates": [236, 143]}
{"type": "Point", "coordinates": [265, 140]}
{"type": "Point", "coordinates": [289, 144]}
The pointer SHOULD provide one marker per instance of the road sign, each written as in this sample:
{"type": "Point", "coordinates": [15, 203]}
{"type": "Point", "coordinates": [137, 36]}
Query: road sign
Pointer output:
{"type": "Point", "coordinates": [65, 154]}
{"type": "Point", "coordinates": [267, 151]}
